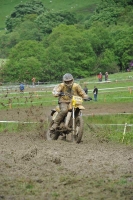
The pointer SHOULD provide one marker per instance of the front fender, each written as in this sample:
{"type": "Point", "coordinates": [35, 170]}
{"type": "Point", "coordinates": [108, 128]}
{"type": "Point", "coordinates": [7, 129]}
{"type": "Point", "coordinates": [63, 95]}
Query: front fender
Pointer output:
{"type": "Point", "coordinates": [80, 107]}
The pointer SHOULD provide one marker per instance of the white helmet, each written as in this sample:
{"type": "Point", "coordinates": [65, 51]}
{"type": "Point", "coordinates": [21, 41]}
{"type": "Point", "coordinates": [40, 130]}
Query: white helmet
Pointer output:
{"type": "Point", "coordinates": [68, 80]}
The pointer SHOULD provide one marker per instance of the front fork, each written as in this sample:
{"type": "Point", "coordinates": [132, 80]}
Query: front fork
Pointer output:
{"type": "Point", "coordinates": [73, 120]}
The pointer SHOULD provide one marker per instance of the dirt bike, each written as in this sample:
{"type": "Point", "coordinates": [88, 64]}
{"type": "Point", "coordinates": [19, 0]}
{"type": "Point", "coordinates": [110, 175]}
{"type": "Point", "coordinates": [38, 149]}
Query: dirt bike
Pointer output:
{"type": "Point", "coordinates": [71, 124]}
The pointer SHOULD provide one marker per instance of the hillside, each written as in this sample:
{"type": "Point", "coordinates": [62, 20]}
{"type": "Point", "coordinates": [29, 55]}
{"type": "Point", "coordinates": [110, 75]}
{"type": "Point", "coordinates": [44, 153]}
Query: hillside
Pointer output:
{"type": "Point", "coordinates": [83, 7]}
{"type": "Point", "coordinates": [60, 36]}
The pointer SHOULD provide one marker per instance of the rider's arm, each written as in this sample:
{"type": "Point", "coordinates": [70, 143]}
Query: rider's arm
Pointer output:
{"type": "Point", "coordinates": [57, 90]}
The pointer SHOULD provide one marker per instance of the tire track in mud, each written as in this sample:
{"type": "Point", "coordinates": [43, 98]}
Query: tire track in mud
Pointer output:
{"type": "Point", "coordinates": [27, 157]}
{"type": "Point", "coordinates": [93, 158]}
{"type": "Point", "coordinates": [89, 157]}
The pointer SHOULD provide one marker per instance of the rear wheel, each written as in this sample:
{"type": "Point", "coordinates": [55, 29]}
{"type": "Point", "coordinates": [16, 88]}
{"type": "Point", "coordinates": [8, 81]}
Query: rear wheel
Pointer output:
{"type": "Point", "coordinates": [78, 129]}
{"type": "Point", "coordinates": [52, 135]}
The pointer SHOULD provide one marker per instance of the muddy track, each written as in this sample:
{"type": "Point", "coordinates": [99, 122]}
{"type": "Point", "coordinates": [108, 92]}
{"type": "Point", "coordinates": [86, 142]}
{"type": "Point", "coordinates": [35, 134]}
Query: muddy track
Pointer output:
{"type": "Point", "coordinates": [48, 165]}
{"type": "Point", "coordinates": [33, 168]}
{"type": "Point", "coordinates": [41, 113]}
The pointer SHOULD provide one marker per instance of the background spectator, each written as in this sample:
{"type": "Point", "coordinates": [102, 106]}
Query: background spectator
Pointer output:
{"type": "Point", "coordinates": [33, 81]}
{"type": "Point", "coordinates": [21, 87]}
{"type": "Point", "coordinates": [86, 89]}
{"type": "Point", "coordinates": [100, 76]}
{"type": "Point", "coordinates": [106, 76]}
{"type": "Point", "coordinates": [95, 92]}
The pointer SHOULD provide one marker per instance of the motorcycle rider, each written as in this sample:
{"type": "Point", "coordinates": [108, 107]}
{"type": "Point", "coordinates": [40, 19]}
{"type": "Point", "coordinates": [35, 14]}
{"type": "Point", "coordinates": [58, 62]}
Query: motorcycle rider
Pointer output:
{"type": "Point", "coordinates": [66, 87]}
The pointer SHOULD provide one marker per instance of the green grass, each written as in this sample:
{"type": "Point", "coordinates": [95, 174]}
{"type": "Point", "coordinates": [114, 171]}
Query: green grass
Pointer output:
{"type": "Point", "coordinates": [110, 119]}
{"type": "Point", "coordinates": [112, 133]}
{"type": "Point", "coordinates": [112, 92]}
{"type": "Point", "coordinates": [15, 100]}
{"type": "Point", "coordinates": [16, 127]}
{"type": "Point", "coordinates": [104, 127]}
{"type": "Point", "coordinates": [112, 77]}
{"type": "Point", "coordinates": [110, 127]}
{"type": "Point", "coordinates": [116, 78]}
{"type": "Point", "coordinates": [82, 7]}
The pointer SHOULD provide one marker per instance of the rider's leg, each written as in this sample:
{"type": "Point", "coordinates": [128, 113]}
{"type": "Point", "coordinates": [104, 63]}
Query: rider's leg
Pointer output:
{"type": "Point", "coordinates": [60, 116]}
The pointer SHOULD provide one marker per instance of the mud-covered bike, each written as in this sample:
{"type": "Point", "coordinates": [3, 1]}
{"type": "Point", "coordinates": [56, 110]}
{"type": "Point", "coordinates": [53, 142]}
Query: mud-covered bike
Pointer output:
{"type": "Point", "coordinates": [71, 124]}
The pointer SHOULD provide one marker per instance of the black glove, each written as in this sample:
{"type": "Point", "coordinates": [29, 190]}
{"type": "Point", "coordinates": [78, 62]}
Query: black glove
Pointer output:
{"type": "Point", "coordinates": [88, 99]}
{"type": "Point", "coordinates": [61, 94]}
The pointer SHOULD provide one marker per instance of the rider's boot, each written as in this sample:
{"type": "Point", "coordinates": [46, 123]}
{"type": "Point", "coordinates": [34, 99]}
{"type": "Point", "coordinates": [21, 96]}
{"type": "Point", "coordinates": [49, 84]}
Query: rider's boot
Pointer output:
{"type": "Point", "coordinates": [56, 122]}
{"type": "Point", "coordinates": [63, 137]}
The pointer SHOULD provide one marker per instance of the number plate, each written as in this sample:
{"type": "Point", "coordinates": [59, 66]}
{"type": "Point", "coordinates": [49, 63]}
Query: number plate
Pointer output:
{"type": "Point", "coordinates": [78, 100]}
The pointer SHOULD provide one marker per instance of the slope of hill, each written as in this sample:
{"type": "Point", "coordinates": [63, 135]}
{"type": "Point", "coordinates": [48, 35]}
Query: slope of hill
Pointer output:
{"type": "Point", "coordinates": [83, 7]}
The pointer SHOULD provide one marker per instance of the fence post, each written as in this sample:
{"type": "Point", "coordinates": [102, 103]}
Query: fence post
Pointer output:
{"type": "Point", "coordinates": [124, 132]}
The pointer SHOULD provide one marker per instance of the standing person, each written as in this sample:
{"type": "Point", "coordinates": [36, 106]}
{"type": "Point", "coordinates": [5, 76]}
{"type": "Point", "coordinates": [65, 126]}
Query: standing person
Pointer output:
{"type": "Point", "coordinates": [86, 89]}
{"type": "Point", "coordinates": [100, 76]}
{"type": "Point", "coordinates": [68, 86]}
{"type": "Point", "coordinates": [95, 92]}
{"type": "Point", "coordinates": [33, 81]}
{"type": "Point", "coordinates": [106, 76]}
{"type": "Point", "coordinates": [21, 87]}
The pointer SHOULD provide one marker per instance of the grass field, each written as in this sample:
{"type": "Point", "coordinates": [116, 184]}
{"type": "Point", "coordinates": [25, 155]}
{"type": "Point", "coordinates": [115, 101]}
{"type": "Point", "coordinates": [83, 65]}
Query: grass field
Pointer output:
{"type": "Point", "coordinates": [111, 93]}
{"type": "Point", "coordinates": [118, 89]}
{"type": "Point", "coordinates": [81, 7]}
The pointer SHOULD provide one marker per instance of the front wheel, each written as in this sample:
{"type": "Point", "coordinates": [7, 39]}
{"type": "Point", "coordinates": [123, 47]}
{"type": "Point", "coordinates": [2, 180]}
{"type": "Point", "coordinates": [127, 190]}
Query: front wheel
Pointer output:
{"type": "Point", "coordinates": [78, 129]}
{"type": "Point", "coordinates": [50, 135]}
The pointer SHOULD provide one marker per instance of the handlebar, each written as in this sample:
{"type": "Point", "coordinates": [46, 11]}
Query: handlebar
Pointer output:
{"type": "Point", "coordinates": [69, 95]}
{"type": "Point", "coordinates": [65, 94]}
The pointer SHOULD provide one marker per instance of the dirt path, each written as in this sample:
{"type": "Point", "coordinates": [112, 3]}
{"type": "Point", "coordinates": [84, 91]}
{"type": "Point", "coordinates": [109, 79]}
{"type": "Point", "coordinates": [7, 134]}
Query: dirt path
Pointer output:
{"type": "Point", "coordinates": [33, 168]}
{"type": "Point", "coordinates": [40, 113]}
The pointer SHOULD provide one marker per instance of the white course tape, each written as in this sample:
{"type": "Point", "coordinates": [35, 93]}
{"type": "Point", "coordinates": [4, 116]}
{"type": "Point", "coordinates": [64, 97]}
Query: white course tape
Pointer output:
{"type": "Point", "coordinates": [112, 124]}
{"type": "Point", "coordinates": [92, 114]}
{"type": "Point", "coordinates": [19, 122]}
{"type": "Point", "coordinates": [89, 124]}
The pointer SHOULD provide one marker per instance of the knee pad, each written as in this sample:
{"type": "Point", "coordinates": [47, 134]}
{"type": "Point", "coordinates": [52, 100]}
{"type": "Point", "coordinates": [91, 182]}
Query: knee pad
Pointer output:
{"type": "Point", "coordinates": [64, 111]}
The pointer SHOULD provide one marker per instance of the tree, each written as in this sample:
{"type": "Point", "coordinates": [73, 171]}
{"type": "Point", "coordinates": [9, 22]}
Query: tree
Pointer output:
{"type": "Point", "coordinates": [103, 45]}
{"type": "Point", "coordinates": [28, 30]}
{"type": "Point", "coordinates": [25, 61]}
{"type": "Point", "coordinates": [110, 12]}
{"type": "Point", "coordinates": [21, 10]}
{"type": "Point", "coordinates": [123, 45]}
{"type": "Point", "coordinates": [123, 2]}
{"type": "Point", "coordinates": [48, 20]}
{"type": "Point", "coordinates": [7, 41]}
{"type": "Point", "coordinates": [107, 16]}
{"type": "Point", "coordinates": [109, 62]}
{"type": "Point", "coordinates": [68, 51]}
